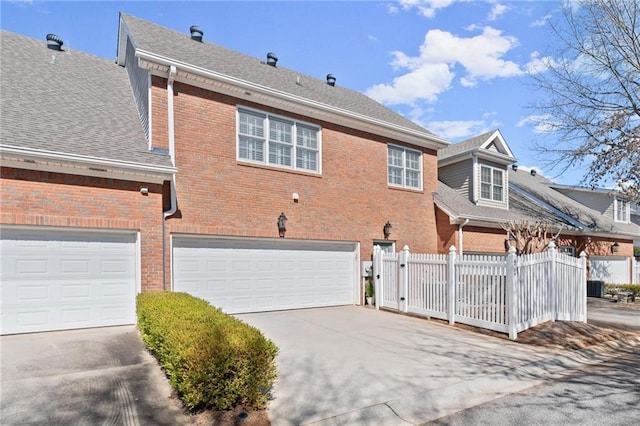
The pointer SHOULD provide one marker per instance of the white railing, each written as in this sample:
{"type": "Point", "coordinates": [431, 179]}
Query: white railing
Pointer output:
{"type": "Point", "coordinates": [503, 293]}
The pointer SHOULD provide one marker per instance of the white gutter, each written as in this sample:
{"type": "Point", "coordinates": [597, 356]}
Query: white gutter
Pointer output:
{"type": "Point", "coordinates": [172, 189]}
{"type": "Point", "coordinates": [246, 85]}
{"type": "Point", "coordinates": [16, 152]}
{"type": "Point", "coordinates": [460, 239]}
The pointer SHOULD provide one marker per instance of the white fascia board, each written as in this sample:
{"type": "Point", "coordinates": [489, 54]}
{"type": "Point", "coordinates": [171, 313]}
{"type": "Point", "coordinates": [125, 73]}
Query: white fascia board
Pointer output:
{"type": "Point", "coordinates": [243, 89]}
{"type": "Point", "coordinates": [27, 158]}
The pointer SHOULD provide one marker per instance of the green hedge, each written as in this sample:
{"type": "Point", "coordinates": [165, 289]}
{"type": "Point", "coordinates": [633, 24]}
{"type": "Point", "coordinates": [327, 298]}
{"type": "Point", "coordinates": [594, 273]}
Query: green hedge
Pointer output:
{"type": "Point", "coordinates": [634, 289]}
{"type": "Point", "coordinates": [212, 360]}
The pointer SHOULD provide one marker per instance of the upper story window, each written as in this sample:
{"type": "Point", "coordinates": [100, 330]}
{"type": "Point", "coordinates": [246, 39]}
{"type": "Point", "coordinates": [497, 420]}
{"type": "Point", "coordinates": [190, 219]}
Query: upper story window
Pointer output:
{"type": "Point", "coordinates": [404, 167]}
{"type": "Point", "coordinates": [491, 183]}
{"type": "Point", "coordinates": [276, 141]}
{"type": "Point", "coordinates": [621, 210]}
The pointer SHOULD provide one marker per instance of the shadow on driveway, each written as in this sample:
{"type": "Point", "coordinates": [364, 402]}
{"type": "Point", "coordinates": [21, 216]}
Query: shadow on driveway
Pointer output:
{"type": "Point", "coordinates": [84, 377]}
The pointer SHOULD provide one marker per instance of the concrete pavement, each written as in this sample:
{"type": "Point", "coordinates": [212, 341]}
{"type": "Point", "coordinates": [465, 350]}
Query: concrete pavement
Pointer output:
{"type": "Point", "coordinates": [83, 377]}
{"type": "Point", "coordinates": [350, 366]}
{"type": "Point", "coordinates": [608, 313]}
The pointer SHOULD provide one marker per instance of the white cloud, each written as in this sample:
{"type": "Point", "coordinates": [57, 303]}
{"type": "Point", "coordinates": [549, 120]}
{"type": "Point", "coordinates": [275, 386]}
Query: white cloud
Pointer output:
{"type": "Point", "coordinates": [541, 22]}
{"type": "Point", "coordinates": [539, 64]}
{"type": "Point", "coordinates": [432, 71]}
{"type": "Point", "coordinates": [541, 124]}
{"type": "Point", "coordinates": [458, 130]}
{"type": "Point", "coordinates": [497, 11]}
{"type": "Point", "coordinates": [372, 38]}
{"type": "Point", "coordinates": [426, 8]}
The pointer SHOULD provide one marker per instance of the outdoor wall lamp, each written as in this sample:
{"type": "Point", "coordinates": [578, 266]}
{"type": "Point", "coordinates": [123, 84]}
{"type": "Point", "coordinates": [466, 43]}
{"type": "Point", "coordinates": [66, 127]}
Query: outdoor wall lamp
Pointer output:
{"type": "Point", "coordinates": [387, 230]}
{"type": "Point", "coordinates": [282, 225]}
{"type": "Point", "coordinates": [615, 247]}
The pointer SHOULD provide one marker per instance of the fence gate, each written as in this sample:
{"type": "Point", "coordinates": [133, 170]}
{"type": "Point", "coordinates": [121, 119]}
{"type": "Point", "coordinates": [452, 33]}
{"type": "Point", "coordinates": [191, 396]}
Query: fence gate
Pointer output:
{"type": "Point", "coordinates": [387, 282]}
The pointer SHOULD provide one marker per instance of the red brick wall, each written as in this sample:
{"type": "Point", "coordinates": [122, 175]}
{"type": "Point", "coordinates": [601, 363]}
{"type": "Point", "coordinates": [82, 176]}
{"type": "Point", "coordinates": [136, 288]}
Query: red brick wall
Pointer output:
{"type": "Point", "coordinates": [351, 200]}
{"type": "Point", "coordinates": [37, 198]}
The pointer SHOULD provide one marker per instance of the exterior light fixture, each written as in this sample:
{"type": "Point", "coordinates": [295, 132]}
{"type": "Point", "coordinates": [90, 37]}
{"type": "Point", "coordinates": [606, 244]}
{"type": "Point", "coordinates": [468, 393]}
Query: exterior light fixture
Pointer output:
{"type": "Point", "coordinates": [282, 225]}
{"type": "Point", "coordinates": [387, 230]}
{"type": "Point", "coordinates": [615, 247]}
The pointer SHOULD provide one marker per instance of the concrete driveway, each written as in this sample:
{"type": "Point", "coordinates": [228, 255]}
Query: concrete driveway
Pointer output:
{"type": "Point", "coordinates": [608, 313]}
{"type": "Point", "coordinates": [100, 376]}
{"type": "Point", "coordinates": [351, 365]}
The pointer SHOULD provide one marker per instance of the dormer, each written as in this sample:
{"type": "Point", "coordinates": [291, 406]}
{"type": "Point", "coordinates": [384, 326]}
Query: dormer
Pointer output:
{"type": "Point", "coordinates": [609, 202]}
{"type": "Point", "coordinates": [478, 168]}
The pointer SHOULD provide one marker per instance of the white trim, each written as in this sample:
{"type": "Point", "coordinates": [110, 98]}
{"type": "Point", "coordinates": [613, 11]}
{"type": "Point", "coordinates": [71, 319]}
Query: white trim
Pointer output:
{"type": "Point", "coordinates": [149, 110]}
{"type": "Point", "coordinates": [504, 202]}
{"type": "Point", "coordinates": [404, 167]}
{"type": "Point", "coordinates": [243, 89]}
{"type": "Point", "coordinates": [294, 142]}
{"type": "Point", "coordinates": [627, 211]}
{"type": "Point", "coordinates": [35, 159]}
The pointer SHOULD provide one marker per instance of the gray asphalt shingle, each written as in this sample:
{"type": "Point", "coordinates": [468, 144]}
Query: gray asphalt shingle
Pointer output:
{"type": "Point", "coordinates": [69, 102]}
{"type": "Point", "coordinates": [178, 46]}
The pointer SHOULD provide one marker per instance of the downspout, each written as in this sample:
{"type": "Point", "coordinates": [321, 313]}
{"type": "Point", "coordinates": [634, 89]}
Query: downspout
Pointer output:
{"type": "Point", "coordinates": [172, 188]}
{"type": "Point", "coordinates": [460, 239]}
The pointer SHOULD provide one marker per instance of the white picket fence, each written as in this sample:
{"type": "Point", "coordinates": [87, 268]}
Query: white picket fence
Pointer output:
{"type": "Point", "coordinates": [507, 294]}
{"type": "Point", "coordinates": [635, 279]}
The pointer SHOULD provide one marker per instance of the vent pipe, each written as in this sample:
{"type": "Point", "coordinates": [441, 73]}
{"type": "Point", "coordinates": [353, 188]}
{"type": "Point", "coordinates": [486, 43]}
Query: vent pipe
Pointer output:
{"type": "Point", "coordinates": [331, 80]}
{"type": "Point", "coordinates": [272, 59]}
{"type": "Point", "coordinates": [196, 33]}
{"type": "Point", "coordinates": [514, 167]}
{"type": "Point", "coordinates": [54, 42]}
{"type": "Point", "coordinates": [533, 172]}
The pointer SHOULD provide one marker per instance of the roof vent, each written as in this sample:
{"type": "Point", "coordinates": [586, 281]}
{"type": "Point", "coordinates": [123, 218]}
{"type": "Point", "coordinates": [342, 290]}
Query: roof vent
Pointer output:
{"type": "Point", "coordinates": [272, 59]}
{"type": "Point", "coordinates": [196, 33]}
{"type": "Point", "coordinates": [514, 167]}
{"type": "Point", "coordinates": [533, 172]}
{"type": "Point", "coordinates": [331, 79]}
{"type": "Point", "coordinates": [54, 42]}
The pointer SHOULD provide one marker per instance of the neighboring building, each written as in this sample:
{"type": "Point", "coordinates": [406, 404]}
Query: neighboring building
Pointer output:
{"type": "Point", "coordinates": [478, 192]}
{"type": "Point", "coordinates": [81, 193]}
{"type": "Point", "coordinates": [181, 186]}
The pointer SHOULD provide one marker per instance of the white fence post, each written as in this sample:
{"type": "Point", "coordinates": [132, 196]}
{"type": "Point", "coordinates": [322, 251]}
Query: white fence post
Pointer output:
{"type": "Point", "coordinates": [553, 281]}
{"type": "Point", "coordinates": [583, 294]}
{"type": "Point", "coordinates": [451, 285]}
{"type": "Point", "coordinates": [512, 293]}
{"type": "Point", "coordinates": [403, 288]}
{"type": "Point", "coordinates": [377, 276]}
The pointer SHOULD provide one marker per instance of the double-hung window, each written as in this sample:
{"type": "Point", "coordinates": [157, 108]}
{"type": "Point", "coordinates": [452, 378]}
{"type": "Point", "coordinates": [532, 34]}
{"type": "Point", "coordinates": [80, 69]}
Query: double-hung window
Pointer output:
{"type": "Point", "coordinates": [621, 210]}
{"type": "Point", "coordinates": [491, 183]}
{"type": "Point", "coordinates": [404, 167]}
{"type": "Point", "coordinates": [277, 141]}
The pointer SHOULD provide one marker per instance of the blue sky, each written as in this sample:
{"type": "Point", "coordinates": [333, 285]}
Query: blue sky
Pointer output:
{"type": "Point", "coordinates": [458, 68]}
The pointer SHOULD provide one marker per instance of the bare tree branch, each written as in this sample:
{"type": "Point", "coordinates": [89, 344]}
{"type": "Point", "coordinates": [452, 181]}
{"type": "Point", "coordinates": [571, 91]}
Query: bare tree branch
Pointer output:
{"type": "Point", "coordinates": [592, 88]}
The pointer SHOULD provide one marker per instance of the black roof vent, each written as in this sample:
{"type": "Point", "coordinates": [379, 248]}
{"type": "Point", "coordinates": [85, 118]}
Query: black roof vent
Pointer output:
{"type": "Point", "coordinates": [533, 172]}
{"type": "Point", "coordinates": [54, 42]}
{"type": "Point", "coordinates": [331, 79]}
{"type": "Point", "coordinates": [272, 59]}
{"type": "Point", "coordinates": [514, 167]}
{"type": "Point", "coordinates": [196, 33]}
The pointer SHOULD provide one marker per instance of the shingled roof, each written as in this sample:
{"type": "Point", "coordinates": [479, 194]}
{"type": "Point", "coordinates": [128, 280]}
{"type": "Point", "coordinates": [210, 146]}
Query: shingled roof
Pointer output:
{"type": "Point", "coordinates": [69, 103]}
{"type": "Point", "coordinates": [180, 48]}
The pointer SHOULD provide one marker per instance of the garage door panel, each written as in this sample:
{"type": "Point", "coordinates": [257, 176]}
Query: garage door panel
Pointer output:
{"type": "Point", "coordinates": [255, 276]}
{"type": "Point", "coordinates": [61, 279]}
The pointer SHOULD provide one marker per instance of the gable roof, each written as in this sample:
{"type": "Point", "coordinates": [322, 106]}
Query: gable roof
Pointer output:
{"type": "Point", "coordinates": [200, 61]}
{"type": "Point", "coordinates": [490, 145]}
{"type": "Point", "coordinates": [540, 188]}
{"type": "Point", "coordinates": [521, 208]}
{"type": "Point", "coordinates": [69, 106]}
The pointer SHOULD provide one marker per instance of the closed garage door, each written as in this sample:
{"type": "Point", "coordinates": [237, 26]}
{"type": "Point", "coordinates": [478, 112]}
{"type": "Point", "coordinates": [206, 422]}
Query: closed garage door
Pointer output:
{"type": "Point", "coordinates": [614, 270]}
{"type": "Point", "coordinates": [256, 275]}
{"type": "Point", "coordinates": [65, 279]}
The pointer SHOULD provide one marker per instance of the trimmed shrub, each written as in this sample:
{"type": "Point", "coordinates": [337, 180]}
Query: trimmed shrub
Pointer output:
{"type": "Point", "coordinates": [212, 359]}
{"type": "Point", "coordinates": [634, 289]}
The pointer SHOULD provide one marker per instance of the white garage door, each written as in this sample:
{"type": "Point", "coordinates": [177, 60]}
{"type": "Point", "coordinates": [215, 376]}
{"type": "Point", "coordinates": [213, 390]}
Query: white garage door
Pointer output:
{"type": "Point", "coordinates": [241, 276]}
{"type": "Point", "coordinates": [614, 270]}
{"type": "Point", "coordinates": [57, 280]}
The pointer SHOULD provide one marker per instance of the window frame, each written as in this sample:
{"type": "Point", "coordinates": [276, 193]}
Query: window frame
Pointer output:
{"type": "Point", "coordinates": [492, 184]}
{"type": "Point", "coordinates": [626, 211]}
{"type": "Point", "coordinates": [294, 146]}
{"type": "Point", "coordinates": [404, 168]}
